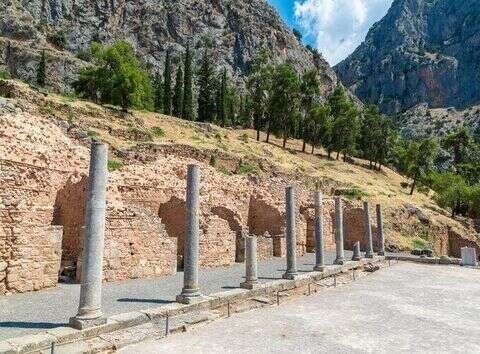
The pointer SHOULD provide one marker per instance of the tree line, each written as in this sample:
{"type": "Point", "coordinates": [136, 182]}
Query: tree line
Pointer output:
{"type": "Point", "coordinates": [277, 100]}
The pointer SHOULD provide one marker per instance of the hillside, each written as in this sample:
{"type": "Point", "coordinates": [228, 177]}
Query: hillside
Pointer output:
{"type": "Point", "coordinates": [233, 30]}
{"type": "Point", "coordinates": [422, 51]}
{"type": "Point", "coordinates": [139, 139]}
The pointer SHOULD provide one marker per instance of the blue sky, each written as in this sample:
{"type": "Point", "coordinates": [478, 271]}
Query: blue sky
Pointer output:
{"type": "Point", "coordinates": [334, 27]}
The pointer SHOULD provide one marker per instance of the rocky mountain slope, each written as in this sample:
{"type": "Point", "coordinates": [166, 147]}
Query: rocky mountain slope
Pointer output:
{"type": "Point", "coordinates": [422, 51]}
{"type": "Point", "coordinates": [235, 30]}
{"type": "Point", "coordinates": [422, 121]}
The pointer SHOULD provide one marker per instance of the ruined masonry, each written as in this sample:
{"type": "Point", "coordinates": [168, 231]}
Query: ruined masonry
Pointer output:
{"type": "Point", "coordinates": [43, 188]}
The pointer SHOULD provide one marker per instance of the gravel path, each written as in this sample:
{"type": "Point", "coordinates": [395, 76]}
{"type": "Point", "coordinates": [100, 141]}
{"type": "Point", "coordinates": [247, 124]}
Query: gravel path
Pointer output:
{"type": "Point", "coordinates": [408, 308]}
{"type": "Point", "coordinates": [29, 313]}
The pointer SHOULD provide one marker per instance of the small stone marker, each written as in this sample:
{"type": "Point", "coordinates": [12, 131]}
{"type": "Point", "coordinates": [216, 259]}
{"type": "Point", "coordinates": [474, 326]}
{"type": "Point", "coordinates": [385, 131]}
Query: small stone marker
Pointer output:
{"type": "Point", "coordinates": [368, 231]}
{"type": "Point", "coordinates": [190, 291]}
{"type": "Point", "coordinates": [469, 256]}
{"type": "Point", "coordinates": [251, 276]}
{"type": "Point", "coordinates": [380, 235]}
{"type": "Point", "coordinates": [90, 306]}
{"type": "Point", "coordinates": [356, 251]}
{"type": "Point", "coordinates": [291, 271]}
{"type": "Point", "coordinates": [319, 247]}
{"type": "Point", "coordinates": [339, 231]}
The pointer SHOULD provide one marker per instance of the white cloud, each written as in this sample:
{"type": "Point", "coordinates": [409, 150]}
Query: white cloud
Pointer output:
{"type": "Point", "coordinates": [338, 26]}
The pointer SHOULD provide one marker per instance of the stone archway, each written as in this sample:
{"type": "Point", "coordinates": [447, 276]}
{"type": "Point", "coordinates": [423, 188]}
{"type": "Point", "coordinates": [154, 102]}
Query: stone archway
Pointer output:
{"type": "Point", "coordinates": [265, 218]}
{"type": "Point", "coordinates": [173, 216]}
{"type": "Point", "coordinates": [235, 224]}
{"type": "Point", "coordinates": [69, 212]}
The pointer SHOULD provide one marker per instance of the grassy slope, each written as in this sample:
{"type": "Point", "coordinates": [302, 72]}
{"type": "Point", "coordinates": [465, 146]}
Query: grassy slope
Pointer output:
{"type": "Point", "coordinates": [123, 131]}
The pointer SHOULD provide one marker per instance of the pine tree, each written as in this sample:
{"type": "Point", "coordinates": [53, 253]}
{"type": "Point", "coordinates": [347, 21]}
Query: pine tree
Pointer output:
{"type": "Point", "coordinates": [222, 99]}
{"type": "Point", "coordinates": [285, 101]}
{"type": "Point", "coordinates": [259, 85]}
{"type": "Point", "coordinates": [41, 70]}
{"type": "Point", "coordinates": [178, 94]}
{"type": "Point", "coordinates": [158, 92]}
{"type": "Point", "coordinates": [187, 109]}
{"type": "Point", "coordinates": [167, 85]}
{"type": "Point", "coordinates": [309, 90]}
{"type": "Point", "coordinates": [206, 94]}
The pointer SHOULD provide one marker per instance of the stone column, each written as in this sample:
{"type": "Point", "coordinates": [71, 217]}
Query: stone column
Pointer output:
{"type": "Point", "coordinates": [191, 291]}
{"type": "Point", "coordinates": [339, 231]}
{"type": "Point", "coordinates": [90, 305]}
{"type": "Point", "coordinates": [380, 236]}
{"type": "Point", "coordinates": [251, 277]}
{"type": "Point", "coordinates": [356, 251]}
{"type": "Point", "coordinates": [368, 231]}
{"type": "Point", "coordinates": [291, 238]}
{"type": "Point", "coordinates": [319, 247]}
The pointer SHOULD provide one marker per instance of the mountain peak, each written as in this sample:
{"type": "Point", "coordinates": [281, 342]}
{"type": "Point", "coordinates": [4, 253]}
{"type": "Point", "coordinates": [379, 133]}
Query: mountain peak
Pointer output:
{"type": "Point", "coordinates": [421, 51]}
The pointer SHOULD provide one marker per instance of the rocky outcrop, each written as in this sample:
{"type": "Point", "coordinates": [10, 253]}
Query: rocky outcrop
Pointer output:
{"type": "Point", "coordinates": [422, 121]}
{"type": "Point", "coordinates": [235, 30]}
{"type": "Point", "coordinates": [422, 51]}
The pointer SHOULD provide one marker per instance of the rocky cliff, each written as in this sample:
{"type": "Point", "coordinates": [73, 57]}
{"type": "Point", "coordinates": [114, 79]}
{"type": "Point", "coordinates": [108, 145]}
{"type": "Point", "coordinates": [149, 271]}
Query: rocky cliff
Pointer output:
{"type": "Point", "coordinates": [235, 30]}
{"type": "Point", "coordinates": [422, 51]}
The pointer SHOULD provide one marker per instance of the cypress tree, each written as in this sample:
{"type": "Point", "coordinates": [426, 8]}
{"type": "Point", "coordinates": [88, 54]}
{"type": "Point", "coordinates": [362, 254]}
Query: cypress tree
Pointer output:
{"type": "Point", "coordinates": [187, 109]}
{"type": "Point", "coordinates": [178, 94]}
{"type": "Point", "coordinates": [222, 98]}
{"type": "Point", "coordinates": [167, 85]}
{"type": "Point", "coordinates": [41, 71]}
{"type": "Point", "coordinates": [158, 93]}
{"type": "Point", "coordinates": [206, 95]}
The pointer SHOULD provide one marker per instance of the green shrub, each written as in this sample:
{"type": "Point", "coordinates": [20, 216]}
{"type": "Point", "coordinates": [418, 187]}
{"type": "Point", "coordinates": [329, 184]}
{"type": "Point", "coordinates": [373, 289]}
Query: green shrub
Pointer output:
{"type": "Point", "coordinates": [354, 193]}
{"type": "Point", "coordinates": [247, 169]}
{"type": "Point", "coordinates": [4, 75]}
{"type": "Point", "coordinates": [158, 132]}
{"type": "Point", "coordinates": [213, 161]}
{"type": "Point", "coordinates": [419, 243]}
{"type": "Point", "coordinates": [114, 165]}
{"type": "Point", "coordinates": [244, 137]}
{"type": "Point", "coordinates": [92, 134]}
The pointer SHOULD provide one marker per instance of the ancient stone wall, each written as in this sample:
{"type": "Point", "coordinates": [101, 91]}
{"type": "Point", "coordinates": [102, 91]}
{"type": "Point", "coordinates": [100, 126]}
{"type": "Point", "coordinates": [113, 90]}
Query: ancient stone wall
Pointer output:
{"type": "Point", "coordinates": [456, 242]}
{"type": "Point", "coordinates": [355, 228]}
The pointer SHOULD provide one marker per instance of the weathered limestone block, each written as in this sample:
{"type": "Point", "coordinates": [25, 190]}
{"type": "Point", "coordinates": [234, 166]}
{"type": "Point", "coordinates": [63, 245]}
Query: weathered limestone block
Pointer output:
{"type": "Point", "coordinates": [469, 256]}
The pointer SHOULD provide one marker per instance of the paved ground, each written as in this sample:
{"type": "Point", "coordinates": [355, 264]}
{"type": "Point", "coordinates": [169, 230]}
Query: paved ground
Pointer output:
{"type": "Point", "coordinates": [32, 312]}
{"type": "Point", "coordinates": [407, 308]}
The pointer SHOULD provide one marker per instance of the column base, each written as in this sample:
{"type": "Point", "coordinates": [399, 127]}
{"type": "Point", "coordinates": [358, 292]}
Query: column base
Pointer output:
{"type": "Point", "coordinates": [290, 276]}
{"type": "Point", "coordinates": [356, 258]}
{"type": "Point", "coordinates": [79, 322]}
{"type": "Point", "coordinates": [188, 299]}
{"type": "Point", "coordinates": [339, 261]}
{"type": "Point", "coordinates": [369, 255]}
{"type": "Point", "coordinates": [250, 285]}
{"type": "Point", "coordinates": [319, 268]}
